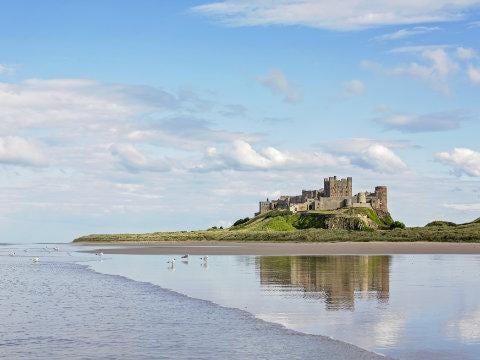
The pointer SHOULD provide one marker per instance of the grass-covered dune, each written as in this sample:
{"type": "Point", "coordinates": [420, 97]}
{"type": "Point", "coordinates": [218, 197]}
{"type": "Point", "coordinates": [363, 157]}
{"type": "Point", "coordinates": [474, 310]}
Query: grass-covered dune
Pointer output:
{"type": "Point", "coordinates": [346, 225]}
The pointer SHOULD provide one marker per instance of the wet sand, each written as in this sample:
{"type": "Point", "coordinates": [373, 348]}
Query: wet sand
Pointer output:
{"type": "Point", "coordinates": [337, 248]}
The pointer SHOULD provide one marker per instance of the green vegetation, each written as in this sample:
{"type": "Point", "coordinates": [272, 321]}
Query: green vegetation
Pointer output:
{"type": "Point", "coordinates": [241, 221]}
{"type": "Point", "coordinates": [441, 223]}
{"type": "Point", "coordinates": [357, 224]}
{"type": "Point", "coordinates": [397, 225]}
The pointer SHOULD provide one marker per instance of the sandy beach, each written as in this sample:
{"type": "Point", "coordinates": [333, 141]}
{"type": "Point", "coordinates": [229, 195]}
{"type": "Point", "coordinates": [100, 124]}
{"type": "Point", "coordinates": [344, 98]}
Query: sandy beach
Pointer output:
{"type": "Point", "coordinates": [337, 248]}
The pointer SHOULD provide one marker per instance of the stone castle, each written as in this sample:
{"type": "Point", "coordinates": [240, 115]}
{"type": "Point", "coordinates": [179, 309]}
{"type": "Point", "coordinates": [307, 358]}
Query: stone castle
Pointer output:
{"type": "Point", "coordinates": [336, 194]}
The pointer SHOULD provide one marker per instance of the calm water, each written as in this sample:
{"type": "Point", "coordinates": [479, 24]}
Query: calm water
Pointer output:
{"type": "Point", "coordinates": [58, 308]}
{"type": "Point", "coordinates": [72, 304]}
{"type": "Point", "coordinates": [407, 307]}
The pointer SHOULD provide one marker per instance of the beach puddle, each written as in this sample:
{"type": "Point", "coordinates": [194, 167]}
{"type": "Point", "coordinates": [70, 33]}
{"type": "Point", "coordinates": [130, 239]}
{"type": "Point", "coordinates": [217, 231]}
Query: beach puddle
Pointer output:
{"type": "Point", "coordinates": [403, 306]}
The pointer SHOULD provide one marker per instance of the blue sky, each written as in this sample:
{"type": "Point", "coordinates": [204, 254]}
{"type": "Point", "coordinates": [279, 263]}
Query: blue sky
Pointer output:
{"type": "Point", "coordinates": [136, 116]}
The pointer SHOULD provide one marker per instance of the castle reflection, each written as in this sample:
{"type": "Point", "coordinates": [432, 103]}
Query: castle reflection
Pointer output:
{"type": "Point", "coordinates": [336, 280]}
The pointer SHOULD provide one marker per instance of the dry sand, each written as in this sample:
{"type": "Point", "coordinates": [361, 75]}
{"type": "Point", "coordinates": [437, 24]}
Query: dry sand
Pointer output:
{"type": "Point", "coordinates": [249, 248]}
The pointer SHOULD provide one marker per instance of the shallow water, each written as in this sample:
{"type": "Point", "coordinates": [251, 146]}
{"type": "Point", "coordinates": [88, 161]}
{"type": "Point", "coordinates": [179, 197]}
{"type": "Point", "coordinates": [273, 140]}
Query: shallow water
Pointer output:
{"type": "Point", "coordinates": [58, 308]}
{"type": "Point", "coordinates": [403, 306]}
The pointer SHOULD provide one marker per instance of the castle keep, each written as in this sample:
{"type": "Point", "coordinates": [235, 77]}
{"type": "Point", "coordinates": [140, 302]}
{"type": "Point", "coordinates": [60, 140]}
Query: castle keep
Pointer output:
{"type": "Point", "coordinates": [336, 194]}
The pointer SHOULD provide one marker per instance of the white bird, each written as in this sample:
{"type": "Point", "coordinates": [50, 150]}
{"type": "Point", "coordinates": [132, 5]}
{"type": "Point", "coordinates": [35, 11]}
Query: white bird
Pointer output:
{"type": "Point", "coordinates": [11, 254]}
{"type": "Point", "coordinates": [36, 259]}
{"type": "Point", "coordinates": [171, 261]}
{"type": "Point", "coordinates": [99, 254]}
{"type": "Point", "coordinates": [205, 258]}
{"type": "Point", "coordinates": [56, 249]}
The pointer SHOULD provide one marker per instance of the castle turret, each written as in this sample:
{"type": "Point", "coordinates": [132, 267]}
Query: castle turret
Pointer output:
{"type": "Point", "coordinates": [361, 198]}
{"type": "Point", "coordinates": [381, 194]}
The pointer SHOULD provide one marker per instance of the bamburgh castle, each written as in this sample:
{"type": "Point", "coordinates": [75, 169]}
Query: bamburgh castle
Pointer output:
{"type": "Point", "coordinates": [336, 194]}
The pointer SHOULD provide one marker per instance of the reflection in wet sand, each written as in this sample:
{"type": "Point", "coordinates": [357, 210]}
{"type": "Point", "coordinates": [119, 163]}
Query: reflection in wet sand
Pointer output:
{"type": "Point", "coordinates": [337, 280]}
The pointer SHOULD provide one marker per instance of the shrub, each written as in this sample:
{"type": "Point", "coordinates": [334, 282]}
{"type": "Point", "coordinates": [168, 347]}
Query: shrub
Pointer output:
{"type": "Point", "coordinates": [397, 225]}
{"type": "Point", "coordinates": [241, 221]}
{"type": "Point", "coordinates": [441, 223]}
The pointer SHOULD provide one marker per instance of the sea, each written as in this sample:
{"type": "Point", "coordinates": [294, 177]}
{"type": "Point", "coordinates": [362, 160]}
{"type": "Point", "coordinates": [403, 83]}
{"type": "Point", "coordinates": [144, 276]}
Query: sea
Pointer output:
{"type": "Point", "coordinates": [77, 305]}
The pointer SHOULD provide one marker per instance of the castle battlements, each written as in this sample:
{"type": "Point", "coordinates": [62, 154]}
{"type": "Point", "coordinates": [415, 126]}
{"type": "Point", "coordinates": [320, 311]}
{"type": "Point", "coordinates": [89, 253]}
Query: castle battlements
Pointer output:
{"type": "Point", "coordinates": [336, 194]}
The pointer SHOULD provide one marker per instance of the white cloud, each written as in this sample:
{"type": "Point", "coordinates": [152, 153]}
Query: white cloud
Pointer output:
{"type": "Point", "coordinates": [334, 15]}
{"type": "Point", "coordinates": [16, 150]}
{"type": "Point", "coordinates": [278, 83]}
{"type": "Point", "coordinates": [6, 69]}
{"type": "Point", "coordinates": [186, 133]}
{"type": "Point", "coordinates": [474, 74]}
{"type": "Point", "coordinates": [132, 159]}
{"type": "Point", "coordinates": [76, 103]}
{"type": "Point", "coordinates": [462, 160]}
{"type": "Point", "coordinates": [354, 87]}
{"type": "Point", "coordinates": [418, 49]}
{"type": "Point", "coordinates": [240, 155]}
{"type": "Point", "coordinates": [369, 154]}
{"type": "Point", "coordinates": [413, 123]}
{"type": "Point", "coordinates": [464, 207]}
{"type": "Point", "coordinates": [466, 53]}
{"type": "Point", "coordinates": [435, 68]}
{"type": "Point", "coordinates": [404, 33]}
{"type": "Point", "coordinates": [474, 24]}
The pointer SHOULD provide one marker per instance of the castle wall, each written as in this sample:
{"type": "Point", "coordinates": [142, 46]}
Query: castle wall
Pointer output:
{"type": "Point", "coordinates": [310, 194]}
{"type": "Point", "coordinates": [330, 203]}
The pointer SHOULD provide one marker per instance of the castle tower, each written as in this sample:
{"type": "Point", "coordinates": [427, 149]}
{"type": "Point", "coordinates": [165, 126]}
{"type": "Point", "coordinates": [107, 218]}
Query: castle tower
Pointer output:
{"type": "Point", "coordinates": [337, 188]}
{"type": "Point", "coordinates": [381, 193]}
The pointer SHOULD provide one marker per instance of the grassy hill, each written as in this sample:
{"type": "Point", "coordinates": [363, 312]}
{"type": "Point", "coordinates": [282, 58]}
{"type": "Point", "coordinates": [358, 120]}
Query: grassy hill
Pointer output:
{"type": "Point", "coordinates": [325, 226]}
{"type": "Point", "coordinates": [347, 219]}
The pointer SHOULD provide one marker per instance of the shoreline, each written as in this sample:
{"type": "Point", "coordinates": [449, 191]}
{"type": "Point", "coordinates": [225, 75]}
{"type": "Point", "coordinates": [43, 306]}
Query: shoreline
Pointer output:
{"type": "Point", "coordinates": [283, 249]}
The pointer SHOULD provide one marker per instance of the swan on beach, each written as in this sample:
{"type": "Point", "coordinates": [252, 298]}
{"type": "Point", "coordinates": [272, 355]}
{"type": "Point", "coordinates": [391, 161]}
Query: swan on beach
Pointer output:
{"type": "Point", "coordinates": [36, 259]}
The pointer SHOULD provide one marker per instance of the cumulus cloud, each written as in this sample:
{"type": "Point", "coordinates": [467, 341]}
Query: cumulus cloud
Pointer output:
{"type": "Point", "coordinates": [330, 14]}
{"type": "Point", "coordinates": [354, 88]}
{"type": "Point", "coordinates": [186, 133]}
{"type": "Point", "coordinates": [369, 154]}
{"type": "Point", "coordinates": [16, 150]}
{"type": "Point", "coordinates": [408, 32]}
{"type": "Point", "coordinates": [462, 160]}
{"type": "Point", "coordinates": [278, 83]}
{"type": "Point", "coordinates": [413, 123]}
{"type": "Point", "coordinates": [240, 155]}
{"type": "Point", "coordinates": [474, 74]}
{"type": "Point", "coordinates": [134, 160]}
{"type": "Point", "coordinates": [76, 103]}
{"type": "Point", "coordinates": [466, 53]}
{"type": "Point", "coordinates": [435, 70]}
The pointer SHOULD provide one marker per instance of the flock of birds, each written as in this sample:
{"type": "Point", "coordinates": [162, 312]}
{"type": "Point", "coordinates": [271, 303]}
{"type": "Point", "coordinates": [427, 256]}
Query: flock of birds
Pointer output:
{"type": "Point", "coordinates": [185, 258]}
{"type": "Point", "coordinates": [36, 259]}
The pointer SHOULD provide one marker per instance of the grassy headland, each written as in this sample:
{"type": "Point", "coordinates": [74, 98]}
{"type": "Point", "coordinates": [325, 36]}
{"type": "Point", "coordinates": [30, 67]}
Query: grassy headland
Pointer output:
{"type": "Point", "coordinates": [325, 226]}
